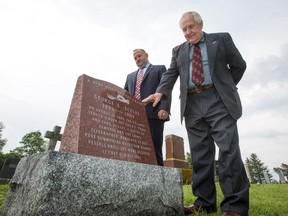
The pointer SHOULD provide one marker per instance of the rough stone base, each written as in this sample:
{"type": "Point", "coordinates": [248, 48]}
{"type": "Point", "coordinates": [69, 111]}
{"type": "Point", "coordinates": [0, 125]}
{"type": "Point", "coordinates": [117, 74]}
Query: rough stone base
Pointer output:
{"type": "Point", "coordinates": [56, 183]}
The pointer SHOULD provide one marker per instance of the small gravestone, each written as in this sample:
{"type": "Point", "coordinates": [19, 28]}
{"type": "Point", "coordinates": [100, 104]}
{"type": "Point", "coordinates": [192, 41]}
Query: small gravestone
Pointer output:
{"type": "Point", "coordinates": [175, 156]}
{"type": "Point", "coordinates": [248, 172]}
{"type": "Point", "coordinates": [106, 121]}
{"type": "Point", "coordinates": [9, 168]}
{"type": "Point", "coordinates": [266, 176]}
{"type": "Point", "coordinates": [281, 176]}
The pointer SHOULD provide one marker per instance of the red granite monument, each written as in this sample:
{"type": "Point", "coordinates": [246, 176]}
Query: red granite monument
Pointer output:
{"type": "Point", "coordinates": [175, 156]}
{"type": "Point", "coordinates": [106, 121]}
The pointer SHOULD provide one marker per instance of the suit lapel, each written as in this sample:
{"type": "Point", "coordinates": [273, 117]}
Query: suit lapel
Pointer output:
{"type": "Point", "coordinates": [185, 60]}
{"type": "Point", "coordinates": [148, 70]}
{"type": "Point", "coordinates": [212, 45]}
{"type": "Point", "coordinates": [134, 78]}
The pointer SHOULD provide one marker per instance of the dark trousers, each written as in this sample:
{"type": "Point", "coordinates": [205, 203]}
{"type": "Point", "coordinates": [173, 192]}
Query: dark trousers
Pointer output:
{"type": "Point", "coordinates": [208, 122]}
{"type": "Point", "coordinates": [156, 129]}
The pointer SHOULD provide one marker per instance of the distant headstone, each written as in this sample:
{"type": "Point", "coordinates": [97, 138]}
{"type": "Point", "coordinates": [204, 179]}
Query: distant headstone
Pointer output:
{"type": "Point", "coordinates": [248, 172]}
{"type": "Point", "coordinates": [175, 156]}
{"type": "Point", "coordinates": [266, 176]}
{"type": "Point", "coordinates": [106, 121]}
{"type": "Point", "coordinates": [281, 176]}
{"type": "Point", "coordinates": [9, 168]}
{"type": "Point", "coordinates": [54, 136]}
{"type": "Point", "coordinates": [57, 183]}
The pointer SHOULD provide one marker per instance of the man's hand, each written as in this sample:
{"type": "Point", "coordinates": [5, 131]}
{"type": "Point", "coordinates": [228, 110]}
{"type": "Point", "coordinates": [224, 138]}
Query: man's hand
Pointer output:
{"type": "Point", "coordinates": [163, 114]}
{"type": "Point", "coordinates": [155, 98]}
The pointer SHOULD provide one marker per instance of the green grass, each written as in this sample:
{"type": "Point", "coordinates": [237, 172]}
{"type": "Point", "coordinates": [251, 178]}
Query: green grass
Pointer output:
{"type": "Point", "coordinates": [3, 191]}
{"type": "Point", "coordinates": [265, 200]}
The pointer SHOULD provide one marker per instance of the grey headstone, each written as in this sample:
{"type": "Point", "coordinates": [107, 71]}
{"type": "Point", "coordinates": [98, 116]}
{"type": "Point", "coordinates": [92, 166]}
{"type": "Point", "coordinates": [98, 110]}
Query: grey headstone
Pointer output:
{"type": "Point", "coordinates": [281, 176]}
{"type": "Point", "coordinates": [266, 176]}
{"type": "Point", "coordinates": [9, 168]}
{"type": "Point", "coordinates": [56, 183]}
{"type": "Point", "coordinates": [248, 172]}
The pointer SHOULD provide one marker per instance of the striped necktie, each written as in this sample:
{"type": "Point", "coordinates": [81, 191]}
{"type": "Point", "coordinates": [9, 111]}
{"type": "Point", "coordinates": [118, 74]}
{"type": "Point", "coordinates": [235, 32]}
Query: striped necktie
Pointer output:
{"type": "Point", "coordinates": [138, 84]}
{"type": "Point", "coordinates": [197, 68]}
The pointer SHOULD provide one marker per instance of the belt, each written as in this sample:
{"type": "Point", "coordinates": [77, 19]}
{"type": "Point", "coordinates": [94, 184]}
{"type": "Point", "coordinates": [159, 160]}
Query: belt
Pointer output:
{"type": "Point", "coordinates": [199, 89]}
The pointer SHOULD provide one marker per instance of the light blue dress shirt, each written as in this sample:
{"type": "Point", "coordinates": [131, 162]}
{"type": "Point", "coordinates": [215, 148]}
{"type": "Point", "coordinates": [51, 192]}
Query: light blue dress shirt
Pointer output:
{"type": "Point", "coordinates": [205, 63]}
{"type": "Point", "coordinates": [144, 69]}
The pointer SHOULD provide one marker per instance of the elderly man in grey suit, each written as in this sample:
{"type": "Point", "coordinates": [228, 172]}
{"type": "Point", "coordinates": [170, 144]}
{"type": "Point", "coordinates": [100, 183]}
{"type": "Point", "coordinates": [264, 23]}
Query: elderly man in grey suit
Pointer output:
{"type": "Point", "coordinates": [210, 105]}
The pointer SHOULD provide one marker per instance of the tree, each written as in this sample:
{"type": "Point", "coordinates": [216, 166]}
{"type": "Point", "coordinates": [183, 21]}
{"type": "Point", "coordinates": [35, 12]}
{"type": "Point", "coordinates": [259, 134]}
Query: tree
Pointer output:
{"type": "Point", "coordinates": [32, 143]}
{"type": "Point", "coordinates": [2, 144]}
{"type": "Point", "coordinates": [2, 141]}
{"type": "Point", "coordinates": [189, 159]}
{"type": "Point", "coordinates": [256, 169]}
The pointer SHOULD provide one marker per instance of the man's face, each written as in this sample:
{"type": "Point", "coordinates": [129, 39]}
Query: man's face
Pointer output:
{"type": "Point", "coordinates": [192, 31]}
{"type": "Point", "coordinates": [141, 58]}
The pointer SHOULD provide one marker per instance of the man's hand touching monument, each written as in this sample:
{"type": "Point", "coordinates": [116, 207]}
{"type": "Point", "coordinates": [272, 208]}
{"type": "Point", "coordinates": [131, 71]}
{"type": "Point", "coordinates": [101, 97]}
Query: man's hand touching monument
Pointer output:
{"type": "Point", "coordinates": [155, 98]}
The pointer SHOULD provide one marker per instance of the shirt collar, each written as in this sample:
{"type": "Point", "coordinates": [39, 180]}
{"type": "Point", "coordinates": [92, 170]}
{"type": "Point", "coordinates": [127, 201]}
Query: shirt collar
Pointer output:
{"type": "Point", "coordinates": [145, 66]}
{"type": "Point", "coordinates": [200, 41]}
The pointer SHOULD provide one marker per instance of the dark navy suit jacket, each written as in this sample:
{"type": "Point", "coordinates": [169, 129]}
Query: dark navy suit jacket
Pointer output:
{"type": "Point", "coordinates": [149, 85]}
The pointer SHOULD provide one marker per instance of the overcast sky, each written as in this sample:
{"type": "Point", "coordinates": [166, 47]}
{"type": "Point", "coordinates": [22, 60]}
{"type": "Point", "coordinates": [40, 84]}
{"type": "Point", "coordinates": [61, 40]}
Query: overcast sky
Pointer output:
{"type": "Point", "coordinates": [45, 45]}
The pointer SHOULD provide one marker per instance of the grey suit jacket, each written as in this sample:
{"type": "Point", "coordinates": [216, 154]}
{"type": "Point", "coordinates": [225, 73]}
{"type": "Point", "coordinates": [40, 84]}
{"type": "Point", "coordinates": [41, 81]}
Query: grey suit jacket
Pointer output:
{"type": "Point", "coordinates": [226, 68]}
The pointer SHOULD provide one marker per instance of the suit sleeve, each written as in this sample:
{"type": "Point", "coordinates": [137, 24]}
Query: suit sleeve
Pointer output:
{"type": "Point", "coordinates": [126, 84]}
{"type": "Point", "coordinates": [165, 103]}
{"type": "Point", "coordinates": [170, 77]}
{"type": "Point", "coordinates": [236, 63]}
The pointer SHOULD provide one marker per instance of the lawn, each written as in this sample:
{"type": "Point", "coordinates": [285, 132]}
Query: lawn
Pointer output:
{"type": "Point", "coordinates": [265, 200]}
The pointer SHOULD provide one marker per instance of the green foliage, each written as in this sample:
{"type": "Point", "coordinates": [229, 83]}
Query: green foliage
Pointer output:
{"type": "Point", "coordinates": [189, 159]}
{"type": "Point", "coordinates": [3, 191]}
{"type": "Point", "coordinates": [2, 141]}
{"type": "Point", "coordinates": [32, 143]}
{"type": "Point", "coordinates": [3, 157]}
{"type": "Point", "coordinates": [2, 160]}
{"type": "Point", "coordinates": [256, 168]}
{"type": "Point", "coordinates": [186, 176]}
{"type": "Point", "coordinates": [2, 144]}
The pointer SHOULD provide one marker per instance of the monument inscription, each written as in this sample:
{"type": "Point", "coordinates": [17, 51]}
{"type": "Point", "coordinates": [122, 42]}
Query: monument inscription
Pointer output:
{"type": "Point", "coordinates": [106, 121]}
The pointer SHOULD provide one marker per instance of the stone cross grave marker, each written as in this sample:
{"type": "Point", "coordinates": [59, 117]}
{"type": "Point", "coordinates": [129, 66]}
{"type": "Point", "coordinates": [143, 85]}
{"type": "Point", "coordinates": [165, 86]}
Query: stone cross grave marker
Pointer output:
{"type": "Point", "coordinates": [54, 136]}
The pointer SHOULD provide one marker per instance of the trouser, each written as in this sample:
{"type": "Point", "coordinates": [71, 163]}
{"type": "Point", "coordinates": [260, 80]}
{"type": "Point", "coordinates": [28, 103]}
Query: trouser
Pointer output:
{"type": "Point", "coordinates": [156, 129]}
{"type": "Point", "coordinates": [208, 122]}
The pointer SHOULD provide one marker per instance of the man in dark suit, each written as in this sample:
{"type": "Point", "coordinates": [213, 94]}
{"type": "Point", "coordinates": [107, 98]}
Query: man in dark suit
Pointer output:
{"type": "Point", "coordinates": [150, 78]}
{"type": "Point", "coordinates": [210, 110]}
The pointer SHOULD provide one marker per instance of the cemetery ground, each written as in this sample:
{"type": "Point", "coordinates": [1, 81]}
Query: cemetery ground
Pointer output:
{"type": "Point", "coordinates": [265, 199]}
